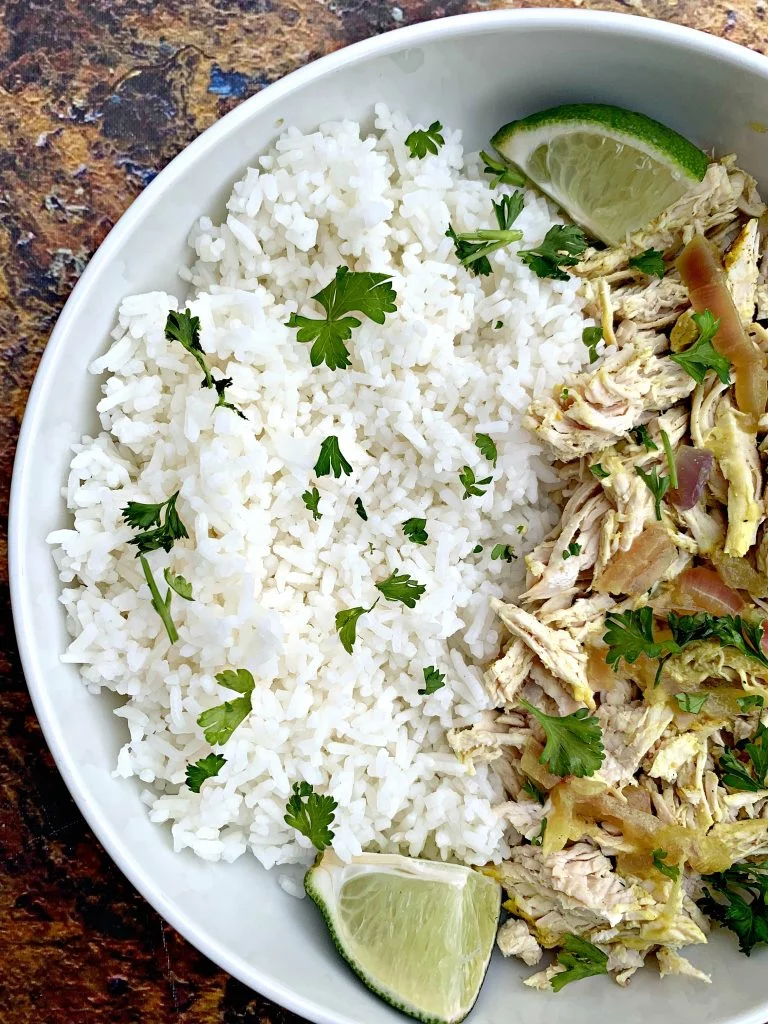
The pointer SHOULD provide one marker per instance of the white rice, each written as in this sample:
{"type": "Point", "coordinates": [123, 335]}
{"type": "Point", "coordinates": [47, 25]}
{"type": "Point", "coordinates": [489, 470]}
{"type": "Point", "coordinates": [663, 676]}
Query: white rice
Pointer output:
{"type": "Point", "coordinates": [267, 580]}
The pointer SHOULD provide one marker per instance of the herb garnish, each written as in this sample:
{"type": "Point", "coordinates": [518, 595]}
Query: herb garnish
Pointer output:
{"type": "Point", "coordinates": [160, 527]}
{"type": "Point", "coordinates": [591, 337]}
{"type": "Point", "coordinates": [650, 262]}
{"type": "Point", "coordinates": [350, 291]}
{"type": "Point", "coordinates": [473, 487]}
{"type": "Point", "coordinates": [503, 173]}
{"type": "Point", "coordinates": [312, 501]}
{"type": "Point", "coordinates": [505, 551]}
{"type": "Point", "coordinates": [572, 550]}
{"type": "Point", "coordinates": [311, 814]}
{"type": "Point", "coordinates": [498, 325]}
{"type": "Point", "coordinates": [185, 328]}
{"type": "Point", "coordinates": [425, 140]}
{"type": "Point", "coordinates": [433, 681]}
{"type": "Point", "coordinates": [487, 448]}
{"type": "Point", "coordinates": [539, 839]}
{"type": "Point", "coordinates": [533, 791]}
{"type": "Point", "coordinates": [574, 742]}
{"type": "Point", "coordinates": [401, 588]}
{"type": "Point", "coordinates": [641, 436]}
{"type": "Point", "coordinates": [670, 870]}
{"type": "Point", "coordinates": [581, 959]}
{"type": "Point", "coordinates": [738, 899]}
{"type": "Point", "coordinates": [749, 702]}
{"type": "Point", "coordinates": [206, 768]}
{"type": "Point", "coordinates": [597, 471]}
{"type": "Point", "coordinates": [702, 355]}
{"type": "Point", "coordinates": [692, 703]}
{"type": "Point", "coordinates": [346, 624]}
{"type": "Point", "coordinates": [218, 723]}
{"type": "Point", "coordinates": [657, 485]}
{"type": "Point", "coordinates": [562, 246]}
{"type": "Point", "coordinates": [670, 456]}
{"type": "Point", "coordinates": [414, 529]}
{"type": "Point", "coordinates": [474, 247]}
{"type": "Point", "coordinates": [736, 773]}
{"type": "Point", "coordinates": [360, 509]}
{"type": "Point", "coordinates": [330, 460]}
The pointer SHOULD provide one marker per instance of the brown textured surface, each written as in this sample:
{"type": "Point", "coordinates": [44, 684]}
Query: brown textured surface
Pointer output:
{"type": "Point", "coordinates": [96, 96]}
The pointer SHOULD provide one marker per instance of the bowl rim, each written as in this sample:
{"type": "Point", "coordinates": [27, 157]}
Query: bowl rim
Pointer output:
{"type": "Point", "coordinates": [21, 587]}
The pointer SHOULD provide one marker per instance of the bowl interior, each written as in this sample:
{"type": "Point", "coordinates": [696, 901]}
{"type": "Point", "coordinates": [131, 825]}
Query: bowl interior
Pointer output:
{"type": "Point", "coordinates": [475, 72]}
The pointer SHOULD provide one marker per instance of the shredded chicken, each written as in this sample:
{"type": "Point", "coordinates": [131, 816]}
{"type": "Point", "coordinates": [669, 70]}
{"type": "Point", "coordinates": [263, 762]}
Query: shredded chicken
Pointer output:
{"type": "Point", "coordinates": [515, 939]}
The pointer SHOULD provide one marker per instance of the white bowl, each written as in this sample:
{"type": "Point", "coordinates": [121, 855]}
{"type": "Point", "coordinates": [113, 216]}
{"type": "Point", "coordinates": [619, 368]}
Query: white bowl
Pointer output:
{"type": "Point", "coordinates": [474, 72]}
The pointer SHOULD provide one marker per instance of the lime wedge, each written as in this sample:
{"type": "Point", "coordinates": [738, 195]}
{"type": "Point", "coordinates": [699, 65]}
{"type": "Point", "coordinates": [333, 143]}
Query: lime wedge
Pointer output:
{"type": "Point", "coordinates": [418, 933]}
{"type": "Point", "coordinates": [611, 170]}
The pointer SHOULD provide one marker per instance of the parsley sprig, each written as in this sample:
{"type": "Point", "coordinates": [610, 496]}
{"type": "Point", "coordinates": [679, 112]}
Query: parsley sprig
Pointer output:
{"type": "Point", "coordinates": [751, 774]}
{"type": "Point", "coordinates": [311, 500]}
{"type": "Point", "coordinates": [658, 486]}
{"type": "Point", "coordinates": [474, 247]}
{"type": "Point", "coordinates": [311, 814]}
{"type": "Point", "coordinates": [691, 703]}
{"type": "Point", "coordinates": [502, 174]}
{"type": "Point", "coordinates": [487, 448]}
{"type": "Point", "coordinates": [563, 246]}
{"type": "Point", "coordinates": [702, 356]}
{"type": "Point", "coordinates": [425, 140]}
{"type": "Point", "coordinates": [433, 681]}
{"type": "Point", "coordinates": [206, 768]}
{"type": "Point", "coordinates": [473, 488]}
{"type": "Point", "coordinates": [650, 262]}
{"type": "Point", "coordinates": [591, 337]}
{"type": "Point", "coordinates": [505, 551]}
{"type": "Point", "coordinates": [670, 870]}
{"type": "Point", "coordinates": [346, 624]}
{"type": "Point", "coordinates": [581, 959]}
{"type": "Point", "coordinates": [350, 291]}
{"type": "Point", "coordinates": [218, 723]}
{"type": "Point", "coordinates": [574, 742]}
{"type": "Point", "coordinates": [185, 328]}
{"type": "Point", "coordinates": [738, 899]}
{"type": "Point", "coordinates": [401, 587]}
{"type": "Point", "coordinates": [641, 436]}
{"type": "Point", "coordinates": [330, 460]}
{"type": "Point", "coordinates": [159, 527]}
{"type": "Point", "coordinates": [415, 530]}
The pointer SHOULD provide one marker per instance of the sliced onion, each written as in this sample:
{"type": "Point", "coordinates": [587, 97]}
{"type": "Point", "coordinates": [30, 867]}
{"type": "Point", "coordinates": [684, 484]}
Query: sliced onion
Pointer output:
{"type": "Point", "coordinates": [634, 571]}
{"type": "Point", "coordinates": [693, 468]}
{"type": "Point", "coordinates": [705, 591]}
{"type": "Point", "coordinates": [701, 270]}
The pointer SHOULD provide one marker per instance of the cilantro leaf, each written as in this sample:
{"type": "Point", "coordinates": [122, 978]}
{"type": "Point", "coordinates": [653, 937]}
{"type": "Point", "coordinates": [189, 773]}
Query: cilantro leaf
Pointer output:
{"type": "Point", "coordinates": [534, 792]}
{"type": "Point", "coordinates": [750, 702]}
{"type": "Point", "coordinates": [346, 625]}
{"type": "Point", "coordinates": [474, 247]}
{"type": "Point", "coordinates": [650, 262]}
{"type": "Point", "coordinates": [539, 839]}
{"type": "Point", "coordinates": [330, 460]}
{"type": "Point", "coordinates": [401, 588]}
{"type": "Point", "coordinates": [738, 899]}
{"type": "Point", "coordinates": [205, 768]}
{"type": "Point", "coordinates": [311, 814]}
{"type": "Point", "coordinates": [311, 500]}
{"type": "Point", "coordinates": [350, 291]}
{"type": "Point", "coordinates": [702, 355]}
{"type": "Point", "coordinates": [598, 472]}
{"type": "Point", "coordinates": [574, 742]}
{"type": "Point", "coordinates": [581, 959]}
{"type": "Point", "coordinates": [425, 140]}
{"type": "Point", "coordinates": [160, 525]}
{"type": "Point", "coordinates": [414, 530]}
{"type": "Point", "coordinates": [433, 681]}
{"type": "Point", "coordinates": [505, 551]}
{"type": "Point", "coordinates": [630, 634]}
{"type": "Point", "coordinates": [591, 337]}
{"type": "Point", "coordinates": [502, 173]}
{"type": "Point", "coordinates": [657, 485]}
{"type": "Point", "coordinates": [185, 328]}
{"type": "Point", "coordinates": [562, 246]}
{"type": "Point", "coordinates": [473, 487]}
{"type": "Point", "coordinates": [178, 584]}
{"type": "Point", "coordinates": [572, 550]}
{"type": "Point", "coordinates": [691, 702]}
{"type": "Point", "coordinates": [218, 723]}
{"type": "Point", "coordinates": [487, 448]}
{"type": "Point", "coordinates": [360, 509]}
{"type": "Point", "coordinates": [641, 436]}
{"type": "Point", "coordinates": [670, 870]}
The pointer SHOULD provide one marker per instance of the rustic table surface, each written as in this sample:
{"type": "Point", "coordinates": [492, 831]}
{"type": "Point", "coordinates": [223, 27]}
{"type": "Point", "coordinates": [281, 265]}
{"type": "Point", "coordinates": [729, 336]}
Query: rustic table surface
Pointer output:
{"type": "Point", "coordinates": [95, 97]}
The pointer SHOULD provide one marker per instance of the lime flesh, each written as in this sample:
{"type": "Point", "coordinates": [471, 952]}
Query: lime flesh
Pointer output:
{"type": "Point", "coordinates": [613, 171]}
{"type": "Point", "coordinates": [419, 934]}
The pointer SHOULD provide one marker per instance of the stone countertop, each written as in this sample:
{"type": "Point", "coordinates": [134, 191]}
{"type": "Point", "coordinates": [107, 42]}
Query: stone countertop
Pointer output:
{"type": "Point", "coordinates": [95, 97]}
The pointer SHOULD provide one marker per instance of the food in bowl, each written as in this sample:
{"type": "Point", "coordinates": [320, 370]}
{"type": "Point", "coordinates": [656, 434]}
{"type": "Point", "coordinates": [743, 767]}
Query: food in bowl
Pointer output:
{"type": "Point", "coordinates": [426, 527]}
